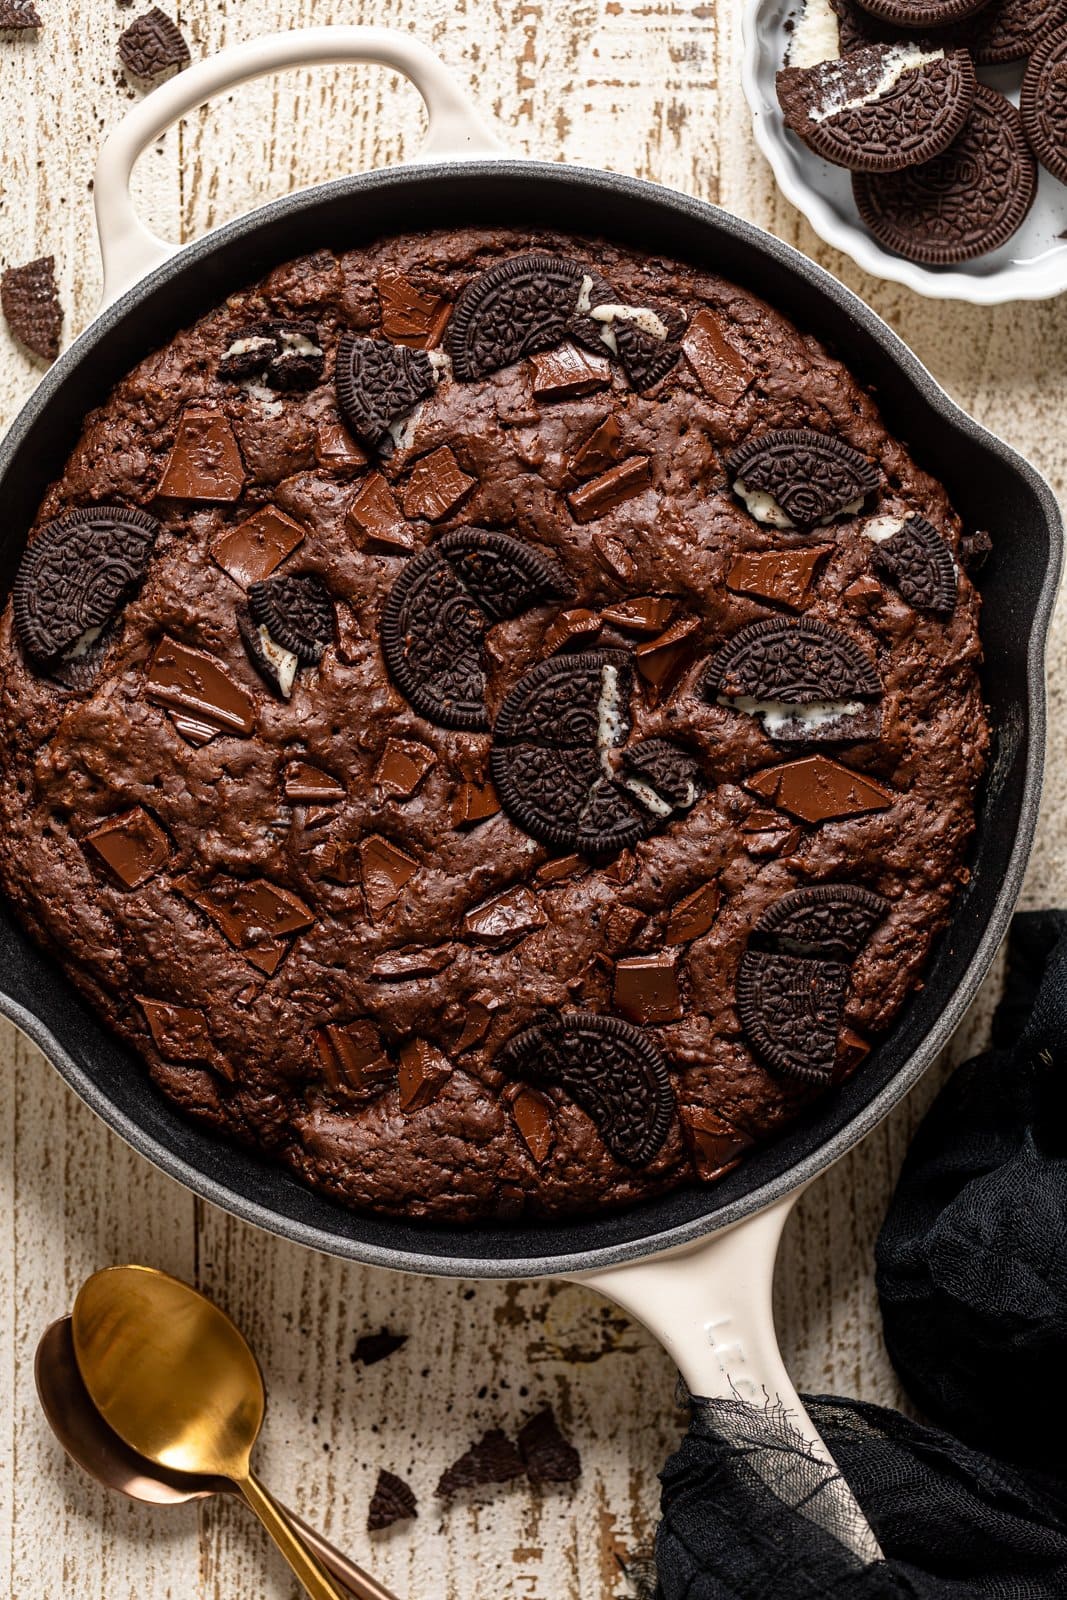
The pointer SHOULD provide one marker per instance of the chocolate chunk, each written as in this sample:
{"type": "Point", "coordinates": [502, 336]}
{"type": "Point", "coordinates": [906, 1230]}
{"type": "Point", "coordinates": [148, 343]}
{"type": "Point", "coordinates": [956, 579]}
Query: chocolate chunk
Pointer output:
{"type": "Point", "coordinates": [386, 869]}
{"type": "Point", "coordinates": [378, 383]}
{"type": "Point", "coordinates": [336, 450]}
{"type": "Point", "coordinates": [817, 789]}
{"type": "Point", "coordinates": [964, 203]}
{"type": "Point", "coordinates": [204, 463]}
{"type": "Point", "coordinates": [76, 574]}
{"type": "Point", "coordinates": [723, 372]}
{"type": "Point", "coordinates": [796, 477]}
{"type": "Point", "coordinates": [286, 355]}
{"type": "Point", "coordinates": [402, 766]}
{"type": "Point", "coordinates": [609, 1067]}
{"type": "Point", "coordinates": [691, 917]}
{"type": "Point", "coordinates": [478, 1016]}
{"type": "Point", "coordinates": [297, 612]}
{"type": "Point", "coordinates": [828, 920]}
{"type": "Point", "coordinates": [30, 302]}
{"type": "Point", "coordinates": [258, 546]}
{"type": "Point", "coordinates": [409, 316]}
{"type": "Point", "coordinates": [473, 802]}
{"type": "Point", "coordinates": [792, 664]}
{"type": "Point", "coordinates": [646, 989]}
{"type": "Point", "coordinates": [254, 915]}
{"type": "Point", "coordinates": [612, 488]}
{"type": "Point", "coordinates": [714, 1143]}
{"type": "Point", "coordinates": [133, 845]}
{"type": "Point", "coordinates": [375, 513]}
{"type": "Point", "coordinates": [919, 564]}
{"type": "Point", "coordinates": [306, 784]}
{"type": "Point", "coordinates": [315, 816]}
{"type": "Point", "coordinates": [435, 618]}
{"type": "Point", "coordinates": [401, 966]}
{"type": "Point", "coordinates": [568, 371]}
{"type": "Point", "coordinates": [782, 576]}
{"type": "Point", "coordinates": [437, 486]}
{"type": "Point", "coordinates": [549, 1457]}
{"type": "Point", "coordinates": [424, 1071]}
{"type": "Point", "coordinates": [520, 306]}
{"type": "Point", "coordinates": [643, 614]}
{"type": "Point", "coordinates": [193, 682]}
{"type": "Point", "coordinates": [569, 625]}
{"type": "Point", "coordinates": [614, 556]}
{"type": "Point", "coordinates": [152, 45]}
{"type": "Point", "coordinates": [492, 1460]}
{"type": "Point", "coordinates": [374, 1347]}
{"type": "Point", "coordinates": [354, 1063]}
{"type": "Point", "coordinates": [179, 1033]}
{"type": "Point", "coordinates": [601, 450]}
{"type": "Point", "coordinates": [791, 1009]}
{"type": "Point", "coordinates": [18, 14]}
{"type": "Point", "coordinates": [880, 108]}
{"type": "Point", "coordinates": [659, 658]}
{"type": "Point", "coordinates": [532, 1116]}
{"type": "Point", "coordinates": [505, 918]}
{"type": "Point", "coordinates": [393, 1500]}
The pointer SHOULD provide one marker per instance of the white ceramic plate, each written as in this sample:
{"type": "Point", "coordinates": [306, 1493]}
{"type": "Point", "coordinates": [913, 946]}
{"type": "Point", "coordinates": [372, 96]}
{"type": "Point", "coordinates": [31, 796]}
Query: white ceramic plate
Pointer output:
{"type": "Point", "coordinates": [1031, 266]}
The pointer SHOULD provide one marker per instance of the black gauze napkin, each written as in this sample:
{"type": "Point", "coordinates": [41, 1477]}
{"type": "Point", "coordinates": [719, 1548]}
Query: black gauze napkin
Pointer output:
{"type": "Point", "coordinates": [974, 1289]}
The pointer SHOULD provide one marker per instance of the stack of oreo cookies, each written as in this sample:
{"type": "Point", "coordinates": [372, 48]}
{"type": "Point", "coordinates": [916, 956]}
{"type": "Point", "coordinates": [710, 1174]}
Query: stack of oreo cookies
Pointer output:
{"type": "Point", "coordinates": [944, 167]}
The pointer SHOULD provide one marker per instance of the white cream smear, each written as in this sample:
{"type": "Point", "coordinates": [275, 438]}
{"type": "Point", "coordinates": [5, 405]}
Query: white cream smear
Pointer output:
{"type": "Point", "coordinates": [642, 317]}
{"type": "Point", "coordinates": [765, 508]}
{"type": "Point", "coordinates": [777, 715]}
{"type": "Point", "coordinates": [816, 37]}
{"type": "Point", "coordinates": [283, 661]}
{"type": "Point", "coordinates": [900, 60]}
{"type": "Point", "coordinates": [878, 529]}
{"type": "Point", "coordinates": [83, 644]}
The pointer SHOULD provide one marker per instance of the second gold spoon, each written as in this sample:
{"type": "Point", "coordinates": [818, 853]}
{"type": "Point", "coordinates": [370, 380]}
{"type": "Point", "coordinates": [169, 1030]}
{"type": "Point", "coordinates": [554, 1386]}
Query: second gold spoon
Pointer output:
{"type": "Point", "coordinates": [173, 1377]}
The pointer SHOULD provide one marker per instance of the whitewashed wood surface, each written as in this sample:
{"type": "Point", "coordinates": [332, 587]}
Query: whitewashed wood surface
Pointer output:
{"type": "Point", "coordinates": [643, 86]}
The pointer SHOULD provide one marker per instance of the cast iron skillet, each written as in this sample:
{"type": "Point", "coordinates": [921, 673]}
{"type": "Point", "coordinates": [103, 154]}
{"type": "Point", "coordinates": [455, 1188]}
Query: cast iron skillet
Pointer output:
{"type": "Point", "coordinates": [990, 484]}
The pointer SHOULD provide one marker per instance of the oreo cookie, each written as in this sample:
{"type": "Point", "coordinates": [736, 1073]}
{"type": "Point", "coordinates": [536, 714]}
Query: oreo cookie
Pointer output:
{"type": "Point", "coordinates": [919, 564]}
{"type": "Point", "coordinates": [378, 383]}
{"type": "Point", "coordinates": [805, 680]}
{"type": "Point", "coordinates": [1043, 103]}
{"type": "Point", "coordinates": [800, 478]}
{"type": "Point", "coordinates": [438, 611]}
{"type": "Point", "coordinates": [922, 13]}
{"type": "Point", "coordinates": [75, 576]}
{"type": "Point", "coordinates": [881, 108]}
{"type": "Point", "coordinates": [520, 306]}
{"type": "Point", "coordinates": [826, 920]}
{"type": "Point", "coordinates": [964, 203]}
{"type": "Point", "coordinates": [611, 1068]}
{"type": "Point", "coordinates": [285, 355]}
{"type": "Point", "coordinates": [1010, 30]}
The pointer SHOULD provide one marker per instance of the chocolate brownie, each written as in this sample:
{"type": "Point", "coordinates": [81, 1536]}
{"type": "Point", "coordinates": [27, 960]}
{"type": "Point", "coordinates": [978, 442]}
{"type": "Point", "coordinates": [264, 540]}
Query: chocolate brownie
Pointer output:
{"type": "Point", "coordinates": [493, 720]}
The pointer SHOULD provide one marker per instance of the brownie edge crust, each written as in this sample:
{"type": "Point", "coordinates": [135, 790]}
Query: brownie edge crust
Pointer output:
{"type": "Point", "coordinates": [492, 719]}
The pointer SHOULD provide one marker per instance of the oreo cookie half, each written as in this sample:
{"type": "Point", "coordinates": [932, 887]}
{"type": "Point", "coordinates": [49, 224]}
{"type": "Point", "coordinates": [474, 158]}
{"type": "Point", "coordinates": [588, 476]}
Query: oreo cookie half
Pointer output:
{"type": "Point", "coordinates": [806, 681]}
{"type": "Point", "coordinates": [922, 13]}
{"type": "Point", "coordinates": [1043, 103]}
{"type": "Point", "coordinates": [800, 478]}
{"type": "Point", "coordinates": [75, 576]}
{"type": "Point", "coordinates": [964, 203]}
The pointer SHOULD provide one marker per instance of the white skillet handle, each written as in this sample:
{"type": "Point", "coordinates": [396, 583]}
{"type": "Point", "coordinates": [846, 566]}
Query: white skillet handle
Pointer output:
{"type": "Point", "coordinates": [129, 249]}
{"type": "Point", "coordinates": [710, 1306]}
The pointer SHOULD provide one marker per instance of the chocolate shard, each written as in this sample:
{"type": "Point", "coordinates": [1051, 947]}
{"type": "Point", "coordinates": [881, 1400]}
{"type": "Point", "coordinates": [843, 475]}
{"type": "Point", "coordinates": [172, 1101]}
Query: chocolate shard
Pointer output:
{"type": "Point", "coordinates": [599, 495]}
{"type": "Point", "coordinates": [505, 918]}
{"type": "Point", "coordinates": [646, 989]}
{"type": "Point", "coordinates": [374, 1347]}
{"type": "Point", "coordinates": [817, 789]}
{"type": "Point", "coordinates": [132, 845]}
{"type": "Point", "coordinates": [76, 574]}
{"type": "Point", "coordinates": [393, 1500]}
{"type": "Point", "coordinates": [403, 966]}
{"type": "Point", "coordinates": [567, 372]}
{"type": "Point", "coordinates": [799, 478]}
{"type": "Point", "coordinates": [691, 917]}
{"type": "Point", "coordinates": [437, 485]}
{"type": "Point", "coordinates": [724, 373]}
{"type": "Point", "coordinates": [378, 383]}
{"type": "Point", "coordinates": [252, 913]}
{"type": "Point", "coordinates": [715, 1144]}
{"type": "Point", "coordinates": [306, 784]}
{"type": "Point", "coordinates": [402, 766]}
{"type": "Point", "coordinates": [152, 45]}
{"type": "Point", "coordinates": [548, 1456]}
{"type": "Point", "coordinates": [336, 450]}
{"type": "Point", "coordinates": [473, 802]}
{"type": "Point", "coordinates": [784, 577]}
{"type": "Point", "coordinates": [29, 299]}
{"type": "Point", "coordinates": [205, 463]}
{"type": "Point", "coordinates": [532, 1115]}
{"type": "Point", "coordinates": [659, 659]}
{"type": "Point", "coordinates": [579, 623]}
{"type": "Point", "coordinates": [355, 1065]}
{"type": "Point", "coordinates": [493, 1459]}
{"type": "Point", "coordinates": [646, 613]}
{"type": "Point", "coordinates": [254, 549]}
{"type": "Point", "coordinates": [179, 1033]}
{"type": "Point", "coordinates": [375, 514]}
{"type": "Point", "coordinates": [919, 564]}
{"type": "Point", "coordinates": [424, 1071]}
{"type": "Point", "coordinates": [410, 316]}
{"type": "Point", "coordinates": [386, 870]}
{"type": "Point", "coordinates": [602, 449]}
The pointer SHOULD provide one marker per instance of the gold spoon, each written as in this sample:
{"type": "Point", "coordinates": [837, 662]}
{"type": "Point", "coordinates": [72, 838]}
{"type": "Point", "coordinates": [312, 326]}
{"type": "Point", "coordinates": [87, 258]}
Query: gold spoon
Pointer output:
{"type": "Point", "coordinates": [91, 1445]}
{"type": "Point", "coordinates": [174, 1378]}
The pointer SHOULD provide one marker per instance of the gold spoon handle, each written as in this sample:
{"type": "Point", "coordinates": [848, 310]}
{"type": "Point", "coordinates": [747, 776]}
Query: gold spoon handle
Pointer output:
{"type": "Point", "coordinates": [314, 1577]}
{"type": "Point", "coordinates": [362, 1585]}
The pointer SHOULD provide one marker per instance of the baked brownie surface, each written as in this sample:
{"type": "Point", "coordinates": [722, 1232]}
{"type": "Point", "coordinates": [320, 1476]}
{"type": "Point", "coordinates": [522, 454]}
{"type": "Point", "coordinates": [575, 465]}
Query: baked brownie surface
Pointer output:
{"type": "Point", "coordinates": [357, 930]}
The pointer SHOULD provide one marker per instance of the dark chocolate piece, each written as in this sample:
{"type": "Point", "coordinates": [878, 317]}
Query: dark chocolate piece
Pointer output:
{"type": "Point", "coordinates": [258, 546]}
{"type": "Point", "coordinates": [205, 462]}
{"type": "Point", "coordinates": [192, 682]}
{"type": "Point", "coordinates": [784, 577]}
{"type": "Point", "coordinates": [424, 1071]}
{"type": "Point", "coordinates": [506, 918]}
{"type": "Point", "coordinates": [613, 488]}
{"type": "Point", "coordinates": [568, 371]}
{"type": "Point", "coordinates": [723, 372]}
{"type": "Point", "coordinates": [817, 789]}
{"type": "Point", "coordinates": [75, 576]}
{"type": "Point", "coordinates": [179, 1033]}
{"type": "Point", "coordinates": [408, 315]}
{"type": "Point", "coordinates": [920, 567]}
{"type": "Point", "coordinates": [30, 302]}
{"type": "Point", "coordinates": [532, 1116]}
{"type": "Point", "coordinates": [812, 477]}
{"type": "Point", "coordinates": [437, 486]}
{"type": "Point", "coordinates": [133, 845]}
{"type": "Point", "coordinates": [375, 513]}
{"type": "Point", "coordinates": [355, 1066]}
{"type": "Point", "coordinates": [692, 916]}
{"type": "Point", "coordinates": [386, 869]}
{"type": "Point", "coordinates": [152, 45]}
{"type": "Point", "coordinates": [646, 989]}
{"type": "Point", "coordinates": [402, 766]}
{"type": "Point", "coordinates": [378, 383]}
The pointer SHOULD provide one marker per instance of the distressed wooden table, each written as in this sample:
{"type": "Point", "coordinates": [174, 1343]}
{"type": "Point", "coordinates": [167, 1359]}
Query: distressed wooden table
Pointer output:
{"type": "Point", "coordinates": [642, 86]}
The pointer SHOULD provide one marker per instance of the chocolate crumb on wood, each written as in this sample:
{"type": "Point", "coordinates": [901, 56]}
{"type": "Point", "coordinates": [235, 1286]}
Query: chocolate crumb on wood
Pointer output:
{"type": "Point", "coordinates": [153, 45]}
{"type": "Point", "coordinates": [549, 1457]}
{"type": "Point", "coordinates": [31, 307]}
{"type": "Point", "coordinates": [374, 1347]}
{"type": "Point", "coordinates": [492, 1460]}
{"type": "Point", "coordinates": [393, 1500]}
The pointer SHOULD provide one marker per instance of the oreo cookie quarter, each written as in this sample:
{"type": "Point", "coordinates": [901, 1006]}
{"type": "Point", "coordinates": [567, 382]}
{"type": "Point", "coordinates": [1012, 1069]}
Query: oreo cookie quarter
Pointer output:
{"type": "Point", "coordinates": [1043, 104]}
{"type": "Point", "coordinates": [966, 202]}
{"type": "Point", "coordinates": [881, 108]}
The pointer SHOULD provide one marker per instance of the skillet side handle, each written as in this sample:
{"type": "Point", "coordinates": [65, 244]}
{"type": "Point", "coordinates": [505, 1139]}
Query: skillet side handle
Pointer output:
{"type": "Point", "coordinates": [710, 1306]}
{"type": "Point", "coordinates": [456, 130]}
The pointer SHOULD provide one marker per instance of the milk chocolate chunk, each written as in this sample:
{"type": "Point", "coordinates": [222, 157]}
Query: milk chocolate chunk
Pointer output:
{"type": "Point", "coordinates": [355, 1066]}
{"type": "Point", "coordinates": [798, 478]}
{"type": "Point", "coordinates": [402, 766]}
{"type": "Point", "coordinates": [378, 383]}
{"type": "Point", "coordinates": [437, 486]}
{"type": "Point", "coordinates": [791, 1009]}
{"type": "Point", "coordinates": [305, 784]}
{"type": "Point", "coordinates": [692, 916]}
{"type": "Point", "coordinates": [826, 919]}
{"type": "Point", "coordinates": [612, 488]}
{"type": "Point", "coordinates": [297, 613]}
{"type": "Point", "coordinates": [258, 546]}
{"type": "Point", "coordinates": [657, 659]}
{"type": "Point", "coordinates": [424, 1071]}
{"type": "Point", "coordinates": [393, 1500]}
{"type": "Point", "coordinates": [493, 1459]}
{"type": "Point", "coordinates": [532, 1116]}
{"type": "Point", "coordinates": [18, 14]}
{"type": "Point", "coordinates": [505, 918]}
{"type": "Point", "coordinates": [614, 556]}
{"type": "Point", "coordinates": [336, 450]}
{"type": "Point", "coordinates": [568, 371]}
{"type": "Point", "coordinates": [569, 625]}
{"type": "Point", "coordinates": [768, 667]}
{"type": "Point", "coordinates": [133, 845]}
{"type": "Point", "coordinates": [29, 299]}
{"type": "Point", "coordinates": [409, 316]}
{"type": "Point", "coordinates": [193, 682]}
{"type": "Point", "coordinates": [920, 567]}
{"type": "Point", "coordinates": [478, 1016]}
{"type": "Point", "coordinates": [646, 989]}
{"type": "Point", "coordinates": [817, 789]}
{"type": "Point", "coordinates": [522, 305]}
{"type": "Point", "coordinates": [179, 1033]}
{"type": "Point", "coordinates": [386, 869]}
{"type": "Point", "coordinates": [784, 577]}
{"type": "Point", "coordinates": [315, 816]}
{"type": "Point", "coordinates": [252, 913]}
{"type": "Point", "coordinates": [723, 372]}
{"type": "Point", "coordinates": [75, 576]}
{"type": "Point", "coordinates": [608, 1067]}
{"type": "Point", "coordinates": [549, 1457]}
{"type": "Point", "coordinates": [473, 802]}
{"type": "Point", "coordinates": [402, 966]}
{"type": "Point", "coordinates": [375, 513]}
{"type": "Point", "coordinates": [153, 45]}
{"type": "Point", "coordinates": [601, 450]}
{"type": "Point", "coordinates": [204, 463]}
{"type": "Point", "coordinates": [646, 613]}
{"type": "Point", "coordinates": [714, 1143]}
